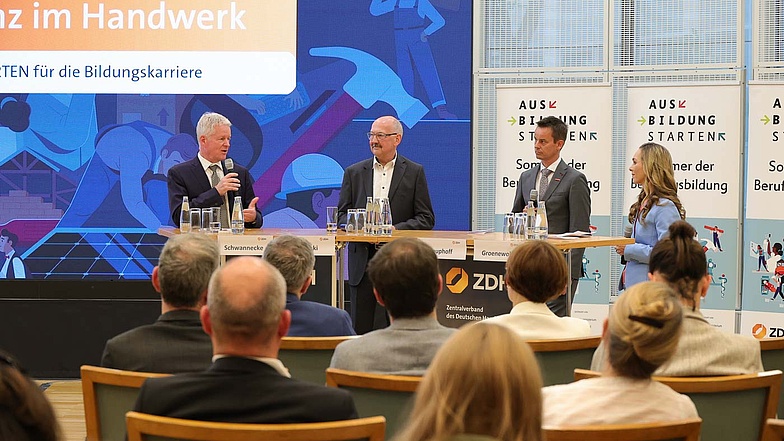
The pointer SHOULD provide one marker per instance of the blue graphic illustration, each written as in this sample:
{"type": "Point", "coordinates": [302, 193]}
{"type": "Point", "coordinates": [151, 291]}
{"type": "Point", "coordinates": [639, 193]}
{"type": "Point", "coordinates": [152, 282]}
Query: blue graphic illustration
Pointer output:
{"type": "Point", "coordinates": [414, 22]}
{"type": "Point", "coordinates": [310, 184]}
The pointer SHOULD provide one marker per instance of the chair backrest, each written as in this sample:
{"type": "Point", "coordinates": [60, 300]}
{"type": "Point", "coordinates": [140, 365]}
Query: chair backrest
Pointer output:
{"type": "Point", "coordinates": [773, 431]}
{"type": "Point", "coordinates": [558, 358]}
{"type": "Point", "coordinates": [375, 394]}
{"type": "Point", "coordinates": [108, 394]}
{"type": "Point", "coordinates": [686, 430]}
{"type": "Point", "coordinates": [308, 357]}
{"type": "Point", "coordinates": [143, 427]}
{"type": "Point", "coordinates": [772, 350]}
{"type": "Point", "coordinates": [731, 406]}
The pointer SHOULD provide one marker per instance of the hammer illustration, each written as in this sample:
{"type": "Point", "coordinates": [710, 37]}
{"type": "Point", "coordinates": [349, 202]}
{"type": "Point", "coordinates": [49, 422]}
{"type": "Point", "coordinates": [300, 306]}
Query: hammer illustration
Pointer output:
{"type": "Point", "coordinates": [373, 81]}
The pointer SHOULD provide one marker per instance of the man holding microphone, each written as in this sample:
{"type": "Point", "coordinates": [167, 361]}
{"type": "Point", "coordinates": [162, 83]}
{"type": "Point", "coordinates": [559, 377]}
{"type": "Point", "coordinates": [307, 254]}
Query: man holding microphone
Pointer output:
{"type": "Point", "coordinates": [209, 179]}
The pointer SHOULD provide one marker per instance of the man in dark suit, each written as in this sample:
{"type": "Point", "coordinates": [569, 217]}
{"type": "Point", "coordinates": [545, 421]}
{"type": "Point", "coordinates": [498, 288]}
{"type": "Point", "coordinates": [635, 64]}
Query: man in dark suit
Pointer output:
{"type": "Point", "coordinates": [206, 180]}
{"type": "Point", "coordinates": [566, 194]}
{"type": "Point", "coordinates": [246, 318]}
{"type": "Point", "coordinates": [293, 257]}
{"type": "Point", "coordinates": [176, 342]}
{"type": "Point", "coordinates": [390, 175]}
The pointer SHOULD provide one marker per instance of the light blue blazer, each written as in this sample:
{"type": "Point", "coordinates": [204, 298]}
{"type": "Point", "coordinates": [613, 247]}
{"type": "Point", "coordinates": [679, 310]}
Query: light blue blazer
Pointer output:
{"type": "Point", "coordinates": [646, 235]}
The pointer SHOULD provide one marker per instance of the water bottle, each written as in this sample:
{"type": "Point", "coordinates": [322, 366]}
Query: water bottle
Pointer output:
{"type": "Point", "coordinates": [375, 229]}
{"type": "Point", "coordinates": [385, 217]}
{"type": "Point", "coordinates": [530, 220]}
{"type": "Point", "coordinates": [541, 222]}
{"type": "Point", "coordinates": [237, 219]}
{"type": "Point", "coordinates": [185, 216]}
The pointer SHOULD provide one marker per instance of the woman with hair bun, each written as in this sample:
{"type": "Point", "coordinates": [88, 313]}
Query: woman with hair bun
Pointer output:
{"type": "Point", "coordinates": [641, 334]}
{"type": "Point", "coordinates": [484, 384]}
{"type": "Point", "coordinates": [657, 206]}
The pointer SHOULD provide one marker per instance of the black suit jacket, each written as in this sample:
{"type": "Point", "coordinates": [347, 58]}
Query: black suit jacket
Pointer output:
{"type": "Point", "coordinates": [568, 202]}
{"type": "Point", "coordinates": [175, 343]}
{"type": "Point", "coordinates": [409, 200]}
{"type": "Point", "coordinates": [189, 179]}
{"type": "Point", "coordinates": [243, 390]}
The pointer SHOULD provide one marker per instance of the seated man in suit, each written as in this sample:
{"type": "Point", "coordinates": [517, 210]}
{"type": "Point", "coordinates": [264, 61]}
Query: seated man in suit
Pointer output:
{"type": "Point", "coordinates": [175, 342]}
{"type": "Point", "coordinates": [293, 257]}
{"type": "Point", "coordinates": [406, 281]}
{"type": "Point", "coordinates": [246, 318]}
{"type": "Point", "coordinates": [207, 179]}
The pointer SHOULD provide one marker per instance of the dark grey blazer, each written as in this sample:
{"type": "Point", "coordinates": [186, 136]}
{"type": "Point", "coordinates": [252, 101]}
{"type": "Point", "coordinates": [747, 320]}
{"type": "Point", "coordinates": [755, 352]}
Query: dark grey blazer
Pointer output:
{"type": "Point", "coordinates": [568, 201]}
{"type": "Point", "coordinates": [175, 343]}
{"type": "Point", "coordinates": [243, 390]}
{"type": "Point", "coordinates": [409, 199]}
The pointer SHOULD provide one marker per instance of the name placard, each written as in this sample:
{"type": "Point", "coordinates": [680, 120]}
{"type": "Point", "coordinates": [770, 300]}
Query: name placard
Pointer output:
{"type": "Point", "coordinates": [242, 245]}
{"type": "Point", "coordinates": [448, 249]}
{"type": "Point", "coordinates": [493, 250]}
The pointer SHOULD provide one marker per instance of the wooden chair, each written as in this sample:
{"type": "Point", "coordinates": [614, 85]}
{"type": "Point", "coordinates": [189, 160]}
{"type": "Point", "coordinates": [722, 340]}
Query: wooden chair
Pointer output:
{"type": "Point", "coordinates": [773, 430]}
{"type": "Point", "coordinates": [558, 358]}
{"type": "Point", "coordinates": [732, 407]}
{"type": "Point", "coordinates": [772, 350]}
{"type": "Point", "coordinates": [308, 357]}
{"type": "Point", "coordinates": [376, 394]}
{"type": "Point", "coordinates": [151, 427]}
{"type": "Point", "coordinates": [686, 430]}
{"type": "Point", "coordinates": [108, 394]}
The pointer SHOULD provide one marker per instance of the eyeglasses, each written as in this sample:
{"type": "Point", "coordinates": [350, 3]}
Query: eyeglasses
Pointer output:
{"type": "Point", "coordinates": [379, 136]}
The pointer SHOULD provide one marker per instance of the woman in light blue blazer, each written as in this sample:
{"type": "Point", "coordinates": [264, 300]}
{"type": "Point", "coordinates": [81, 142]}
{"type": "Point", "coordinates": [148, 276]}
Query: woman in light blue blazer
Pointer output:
{"type": "Point", "coordinates": [656, 208]}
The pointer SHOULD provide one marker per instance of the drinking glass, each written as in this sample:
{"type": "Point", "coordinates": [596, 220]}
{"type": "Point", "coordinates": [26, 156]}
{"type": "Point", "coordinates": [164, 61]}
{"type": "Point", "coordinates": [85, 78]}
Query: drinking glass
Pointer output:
{"type": "Point", "coordinates": [215, 225]}
{"type": "Point", "coordinates": [361, 220]}
{"type": "Point", "coordinates": [351, 221]}
{"type": "Point", "coordinates": [332, 219]}
{"type": "Point", "coordinates": [206, 219]}
{"type": "Point", "coordinates": [507, 228]}
{"type": "Point", "coordinates": [519, 225]}
{"type": "Point", "coordinates": [195, 219]}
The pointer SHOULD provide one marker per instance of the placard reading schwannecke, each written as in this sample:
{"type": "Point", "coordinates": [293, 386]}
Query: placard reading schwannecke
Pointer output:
{"type": "Point", "coordinates": [148, 46]}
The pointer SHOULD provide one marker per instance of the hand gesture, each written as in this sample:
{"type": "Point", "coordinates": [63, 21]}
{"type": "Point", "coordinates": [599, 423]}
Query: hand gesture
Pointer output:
{"type": "Point", "coordinates": [228, 183]}
{"type": "Point", "coordinates": [249, 214]}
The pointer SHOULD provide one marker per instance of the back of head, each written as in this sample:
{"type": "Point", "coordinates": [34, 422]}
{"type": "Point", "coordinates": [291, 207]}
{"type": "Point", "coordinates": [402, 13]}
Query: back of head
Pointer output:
{"type": "Point", "coordinates": [644, 328]}
{"type": "Point", "coordinates": [502, 399]}
{"type": "Point", "coordinates": [405, 274]}
{"type": "Point", "coordinates": [537, 271]}
{"type": "Point", "coordinates": [208, 121]}
{"type": "Point", "coordinates": [680, 260]}
{"type": "Point", "coordinates": [245, 300]}
{"type": "Point", "coordinates": [293, 257]}
{"type": "Point", "coordinates": [184, 269]}
{"type": "Point", "coordinates": [559, 128]}
{"type": "Point", "coordinates": [25, 413]}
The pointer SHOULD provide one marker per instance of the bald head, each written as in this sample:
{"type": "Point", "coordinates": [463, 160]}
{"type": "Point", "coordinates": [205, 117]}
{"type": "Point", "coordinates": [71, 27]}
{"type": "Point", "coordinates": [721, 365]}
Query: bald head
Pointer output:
{"type": "Point", "coordinates": [245, 299]}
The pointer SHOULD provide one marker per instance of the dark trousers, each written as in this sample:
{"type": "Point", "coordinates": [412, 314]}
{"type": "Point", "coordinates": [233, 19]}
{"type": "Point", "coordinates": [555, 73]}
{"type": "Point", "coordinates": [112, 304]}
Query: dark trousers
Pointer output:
{"type": "Point", "coordinates": [558, 305]}
{"type": "Point", "coordinates": [365, 311]}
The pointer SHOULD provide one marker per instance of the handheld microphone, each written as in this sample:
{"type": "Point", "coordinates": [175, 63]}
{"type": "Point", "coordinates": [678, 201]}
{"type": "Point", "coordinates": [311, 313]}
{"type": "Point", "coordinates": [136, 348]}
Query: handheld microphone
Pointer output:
{"type": "Point", "coordinates": [229, 163]}
{"type": "Point", "coordinates": [627, 232]}
{"type": "Point", "coordinates": [534, 196]}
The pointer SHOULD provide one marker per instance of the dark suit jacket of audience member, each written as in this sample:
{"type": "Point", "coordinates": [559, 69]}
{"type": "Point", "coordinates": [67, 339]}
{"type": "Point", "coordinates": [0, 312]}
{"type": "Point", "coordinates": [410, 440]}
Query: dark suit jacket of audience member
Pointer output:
{"type": "Point", "coordinates": [175, 343]}
{"type": "Point", "coordinates": [313, 319]}
{"type": "Point", "coordinates": [409, 200]}
{"type": "Point", "coordinates": [189, 179]}
{"type": "Point", "coordinates": [243, 390]}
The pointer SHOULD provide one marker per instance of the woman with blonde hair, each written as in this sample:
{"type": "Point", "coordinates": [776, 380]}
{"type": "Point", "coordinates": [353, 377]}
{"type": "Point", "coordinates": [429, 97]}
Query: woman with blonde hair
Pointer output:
{"type": "Point", "coordinates": [536, 273]}
{"type": "Point", "coordinates": [483, 384]}
{"type": "Point", "coordinates": [640, 335]}
{"type": "Point", "coordinates": [657, 206]}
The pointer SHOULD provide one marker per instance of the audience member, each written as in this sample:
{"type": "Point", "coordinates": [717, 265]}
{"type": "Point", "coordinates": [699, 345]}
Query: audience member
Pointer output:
{"type": "Point", "coordinates": [483, 381]}
{"type": "Point", "coordinates": [536, 273]}
{"type": "Point", "coordinates": [246, 318]}
{"type": "Point", "coordinates": [25, 413]}
{"type": "Point", "coordinates": [293, 257]}
{"type": "Point", "coordinates": [406, 281]}
{"type": "Point", "coordinates": [679, 261]}
{"type": "Point", "coordinates": [176, 342]}
{"type": "Point", "coordinates": [641, 334]}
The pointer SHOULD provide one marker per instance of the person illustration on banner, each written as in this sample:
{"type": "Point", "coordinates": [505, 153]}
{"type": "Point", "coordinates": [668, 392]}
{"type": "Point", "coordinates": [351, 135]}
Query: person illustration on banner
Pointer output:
{"type": "Point", "coordinates": [13, 265]}
{"type": "Point", "coordinates": [761, 259]}
{"type": "Point", "coordinates": [414, 22]}
{"type": "Point", "coordinates": [766, 245]}
{"type": "Point", "coordinates": [716, 232]}
{"type": "Point", "coordinates": [778, 277]}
